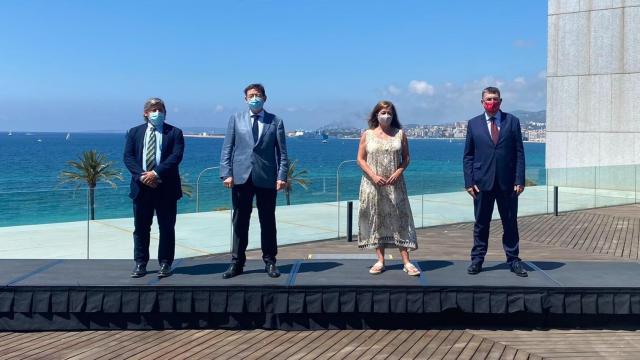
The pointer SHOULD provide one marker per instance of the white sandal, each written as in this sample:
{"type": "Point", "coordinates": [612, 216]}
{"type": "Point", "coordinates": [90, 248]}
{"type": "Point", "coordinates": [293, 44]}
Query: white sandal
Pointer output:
{"type": "Point", "coordinates": [377, 268]}
{"type": "Point", "coordinates": [410, 269]}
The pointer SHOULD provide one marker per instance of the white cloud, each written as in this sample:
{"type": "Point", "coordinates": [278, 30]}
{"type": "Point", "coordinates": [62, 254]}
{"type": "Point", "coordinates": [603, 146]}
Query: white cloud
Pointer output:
{"type": "Point", "coordinates": [459, 101]}
{"type": "Point", "coordinates": [522, 43]}
{"type": "Point", "coordinates": [394, 90]}
{"type": "Point", "coordinates": [421, 87]}
{"type": "Point", "coordinates": [219, 108]}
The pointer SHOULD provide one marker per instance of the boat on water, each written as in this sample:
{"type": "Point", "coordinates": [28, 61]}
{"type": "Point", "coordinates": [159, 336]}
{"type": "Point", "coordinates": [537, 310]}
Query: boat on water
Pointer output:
{"type": "Point", "coordinates": [39, 140]}
{"type": "Point", "coordinates": [68, 136]}
{"type": "Point", "coordinates": [325, 138]}
{"type": "Point", "coordinates": [10, 133]}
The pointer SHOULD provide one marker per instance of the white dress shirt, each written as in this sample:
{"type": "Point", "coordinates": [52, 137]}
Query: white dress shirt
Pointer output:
{"type": "Point", "coordinates": [158, 132]}
{"type": "Point", "coordinates": [260, 119]}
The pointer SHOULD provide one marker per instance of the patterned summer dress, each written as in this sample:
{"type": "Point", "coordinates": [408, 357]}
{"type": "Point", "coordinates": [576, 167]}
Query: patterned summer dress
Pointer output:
{"type": "Point", "coordinates": [385, 214]}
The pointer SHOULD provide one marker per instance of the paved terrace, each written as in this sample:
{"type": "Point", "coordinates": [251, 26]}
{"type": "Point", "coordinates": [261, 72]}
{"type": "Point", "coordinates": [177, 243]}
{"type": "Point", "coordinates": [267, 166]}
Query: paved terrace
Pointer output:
{"type": "Point", "coordinates": [599, 234]}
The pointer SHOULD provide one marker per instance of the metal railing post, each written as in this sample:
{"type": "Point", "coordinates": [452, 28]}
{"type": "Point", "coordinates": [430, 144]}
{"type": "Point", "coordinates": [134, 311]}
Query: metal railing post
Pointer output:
{"type": "Point", "coordinates": [198, 185]}
{"type": "Point", "coordinates": [349, 221]}
{"type": "Point", "coordinates": [338, 189]}
{"type": "Point", "coordinates": [555, 200]}
{"type": "Point", "coordinates": [88, 220]}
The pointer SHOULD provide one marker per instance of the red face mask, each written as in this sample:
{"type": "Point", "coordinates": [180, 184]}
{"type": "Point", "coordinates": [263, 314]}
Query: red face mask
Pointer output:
{"type": "Point", "coordinates": [491, 107]}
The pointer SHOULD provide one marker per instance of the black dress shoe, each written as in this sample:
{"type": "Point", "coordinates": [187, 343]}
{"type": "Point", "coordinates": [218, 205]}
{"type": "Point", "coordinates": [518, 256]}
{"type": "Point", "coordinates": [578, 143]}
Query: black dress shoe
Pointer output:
{"type": "Point", "coordinates": [139, 271]}
{"type": "Point", "coordinates": [233, 270]}
{"type": "Point", "coordinates": [516, 267]}
{"type": "Point", "coordinates": [474, 268]}
{"type": "Point", "coordinates": [165, 270]}
{"type": "Point", "coordinates": [272, 270]}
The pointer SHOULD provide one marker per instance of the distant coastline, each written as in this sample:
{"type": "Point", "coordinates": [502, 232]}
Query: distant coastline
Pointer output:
{"type": "Point", "coordinates": [213, 136]}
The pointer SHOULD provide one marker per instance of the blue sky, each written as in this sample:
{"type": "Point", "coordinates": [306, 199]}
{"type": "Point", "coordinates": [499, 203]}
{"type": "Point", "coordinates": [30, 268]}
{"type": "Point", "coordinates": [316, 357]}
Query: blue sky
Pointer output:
{"type": "Point", "coordinates": [90, 65]}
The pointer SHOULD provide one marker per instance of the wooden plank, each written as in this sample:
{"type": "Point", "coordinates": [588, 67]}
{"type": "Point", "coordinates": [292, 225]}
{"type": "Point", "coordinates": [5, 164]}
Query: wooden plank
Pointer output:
{"type": "Point", "coordinates": [395, 345]}
{"type": "Point", "coordinates": [297, 348]}
{"type": "Point", "coordinates": [483, 350]}
{"type": "Point", "coordinates": [159, 347]}
{"type": "Point", "coordinates": [110, 340]}
{"type": "Point", "coordinates": [377, 347]}
{"type": "Point", "coordinates": [78, 349]}
{"type": "Point", "coordinates": [246, 336]}
{"type": "Point", "coordinates": [496, 351]}
{"type": "Point", "coordinates": [377, 336]}
{"type": "Point", "coordinates": [142, 343]}
{"type": "Point", "coordinates": [589, 238]}
{"type": "Point", "coordinates": [322, 344]}
{"type": "Point", "coordinates": [138, 343]}
{"type": "Point", "coordinates": [509, 353]}
{"type": "Point", "coordinates": [347, 349]}
{"type": "Point", "coordinates": [48, 345]}
{"type": "Point", "coordinates": [279, 343]}
{"type": "Point", "coordinates": [247, 344]}
{"type": "Point", "coordinates": [433, 345]}
{"type": "Point", "coordinates": [193, 341]}
{"type": "Point", "coordinates": [471, 347]}
{"type": "Point", "coordinates": [346, 337]}
{"type": "Point", "coordinates": [447, 344]}
{"type": "Point", "coordinates": [424, 340]}
{"type": "Point", "coordinates": [211, 343]}
{"type": "Point", "coordinates": [459, 346]}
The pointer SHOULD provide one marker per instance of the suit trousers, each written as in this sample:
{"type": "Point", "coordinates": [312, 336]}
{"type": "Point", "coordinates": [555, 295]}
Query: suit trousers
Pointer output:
{"type": "Point", "coordinates": [483, 209]}
{"type": "Point", "coordinates": [144, 205]}
{"type": "Point", "coordinates": [242, 197]}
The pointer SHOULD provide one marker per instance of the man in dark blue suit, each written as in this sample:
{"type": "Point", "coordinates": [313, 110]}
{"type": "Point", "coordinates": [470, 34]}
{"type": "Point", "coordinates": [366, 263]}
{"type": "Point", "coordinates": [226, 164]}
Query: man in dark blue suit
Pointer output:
{"type": "Point", "coordinates": [494, 172]}
{"type": "Point", "coordinates": [152, 154]}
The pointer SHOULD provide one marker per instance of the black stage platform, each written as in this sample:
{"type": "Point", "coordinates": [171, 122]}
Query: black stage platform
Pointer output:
{"type": "Point", "coordinates": [313, 294]}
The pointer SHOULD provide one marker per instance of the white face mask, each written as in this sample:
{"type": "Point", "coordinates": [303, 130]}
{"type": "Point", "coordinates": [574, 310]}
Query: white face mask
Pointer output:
{"type": "Point", "coordinates": [385, 119]}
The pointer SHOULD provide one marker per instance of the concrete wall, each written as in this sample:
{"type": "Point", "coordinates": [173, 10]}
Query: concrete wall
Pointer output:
{"type": "Point", "coordinates": [593, 84]}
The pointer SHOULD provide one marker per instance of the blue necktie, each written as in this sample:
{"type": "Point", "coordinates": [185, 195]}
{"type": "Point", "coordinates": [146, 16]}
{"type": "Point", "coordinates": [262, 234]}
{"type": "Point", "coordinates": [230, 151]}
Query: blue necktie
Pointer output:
{"type": "Point", "coordinates": [254, 128]}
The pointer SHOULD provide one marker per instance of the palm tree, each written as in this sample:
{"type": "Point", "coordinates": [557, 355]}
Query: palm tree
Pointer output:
{"type": "Point", "coordinates": [187, 188]}
{"type": "Point", "coordinates": [295, 176]}
{"type": "Point", "coordinates": [91, 168]}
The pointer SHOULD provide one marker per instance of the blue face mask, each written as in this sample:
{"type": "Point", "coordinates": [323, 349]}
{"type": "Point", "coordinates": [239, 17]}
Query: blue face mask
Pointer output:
{"type": "Point", "coordinates": [256, 103]}
{"type": "Point", "coordinates": [156, 118]}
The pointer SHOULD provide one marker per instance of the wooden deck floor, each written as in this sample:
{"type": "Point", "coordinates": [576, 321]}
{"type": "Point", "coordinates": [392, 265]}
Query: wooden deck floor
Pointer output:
{"type": "Point", "coordinates": [599, 234]}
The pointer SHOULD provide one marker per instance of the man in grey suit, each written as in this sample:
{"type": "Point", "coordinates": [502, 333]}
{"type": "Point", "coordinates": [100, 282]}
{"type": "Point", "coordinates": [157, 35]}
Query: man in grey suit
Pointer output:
{"type": "Point", "coordinates": [254, 162]}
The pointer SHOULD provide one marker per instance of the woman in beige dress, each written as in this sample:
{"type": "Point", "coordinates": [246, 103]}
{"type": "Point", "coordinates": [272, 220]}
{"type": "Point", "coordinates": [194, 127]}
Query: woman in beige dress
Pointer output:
{"type": "Point", "coordinates": [385, 214]}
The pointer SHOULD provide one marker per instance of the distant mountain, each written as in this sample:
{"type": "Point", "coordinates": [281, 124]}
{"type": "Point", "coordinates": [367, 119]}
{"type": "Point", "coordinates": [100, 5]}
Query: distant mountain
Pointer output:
{"type": "Point", "coordinates": [531, 116]}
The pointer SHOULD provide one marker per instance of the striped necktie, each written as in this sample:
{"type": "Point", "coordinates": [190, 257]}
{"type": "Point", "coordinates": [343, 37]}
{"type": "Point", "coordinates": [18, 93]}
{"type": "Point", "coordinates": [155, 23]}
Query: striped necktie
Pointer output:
{"type": "Point", "coordinates": [151, 149]}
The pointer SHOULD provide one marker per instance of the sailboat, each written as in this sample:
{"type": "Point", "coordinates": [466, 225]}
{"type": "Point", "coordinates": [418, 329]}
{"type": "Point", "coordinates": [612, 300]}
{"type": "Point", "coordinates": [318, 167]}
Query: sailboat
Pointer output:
{"type": "Point", "coordinates": [10, 133]}
{"type": "Point", "coordinates": [68, 136]}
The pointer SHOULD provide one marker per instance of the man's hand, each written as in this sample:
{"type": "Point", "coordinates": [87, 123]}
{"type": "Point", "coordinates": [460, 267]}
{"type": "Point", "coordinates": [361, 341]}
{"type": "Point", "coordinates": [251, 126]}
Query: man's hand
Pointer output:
{"type": "Point", "coordinates": [280, 185]}
{"type": "Point", "coordinates": [228, 182]}
{"type": "Point", "coordinates": [518, 189]}
{"type": "Point", "coordinates": [150, 179]}
{"type": "Point", "coordinates": [473, 190]}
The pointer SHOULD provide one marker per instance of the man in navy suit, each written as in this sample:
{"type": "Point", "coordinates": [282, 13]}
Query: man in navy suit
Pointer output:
{"type": "Point", "coordinates": [494, 172]}
{"type": "Point", "coordinates": [152, 154]}
{"type": "Point", "coordinates": [254, 162]}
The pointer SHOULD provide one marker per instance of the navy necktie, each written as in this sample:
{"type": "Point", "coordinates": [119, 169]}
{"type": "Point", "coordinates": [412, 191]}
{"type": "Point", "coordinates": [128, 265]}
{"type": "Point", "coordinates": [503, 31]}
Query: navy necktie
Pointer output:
{"type": "Point", "coordinates": [254, 127]}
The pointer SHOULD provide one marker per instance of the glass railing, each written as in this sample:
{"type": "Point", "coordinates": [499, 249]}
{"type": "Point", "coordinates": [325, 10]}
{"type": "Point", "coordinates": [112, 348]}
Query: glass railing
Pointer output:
{"type": "Point", "coordinates": [57, 223]}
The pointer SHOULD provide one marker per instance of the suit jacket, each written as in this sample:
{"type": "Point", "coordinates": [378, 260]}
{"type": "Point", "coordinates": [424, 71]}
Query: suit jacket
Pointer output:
{"type": "Point", "coordinates": [265, 161]}
{"type": "Point", "coordinates": [485, 162]}
{"type": "Point", "coordinates": [171, 150]}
